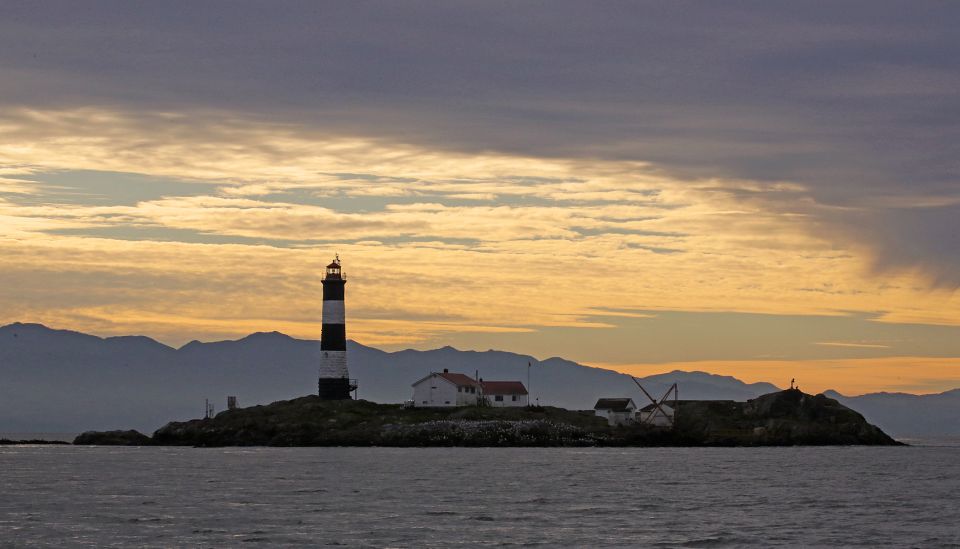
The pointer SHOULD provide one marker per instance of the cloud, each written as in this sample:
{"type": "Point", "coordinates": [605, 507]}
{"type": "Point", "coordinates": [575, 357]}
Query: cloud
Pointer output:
{"type": "Point", "coordinates": [842, 107]}
{"type": "Point", "coordinates": [272, 184]}
{"type": "Point", "coordinates": [14, 180]}
{"type": "Point", "coordinates": [851, 344]}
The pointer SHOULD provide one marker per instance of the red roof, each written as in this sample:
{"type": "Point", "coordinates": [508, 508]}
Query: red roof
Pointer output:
{"type": "Point", "coordinates": [459, 380]}
{"type": "Point", "coordinates": [503, 388]}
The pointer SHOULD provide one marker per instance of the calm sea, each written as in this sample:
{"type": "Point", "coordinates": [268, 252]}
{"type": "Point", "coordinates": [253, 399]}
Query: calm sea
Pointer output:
{"type": "Point", "coordinates": [442, 497]}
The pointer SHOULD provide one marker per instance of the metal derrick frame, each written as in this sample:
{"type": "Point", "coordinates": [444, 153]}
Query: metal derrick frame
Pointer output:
{"type": "Point", "coordinates": [658, 403]}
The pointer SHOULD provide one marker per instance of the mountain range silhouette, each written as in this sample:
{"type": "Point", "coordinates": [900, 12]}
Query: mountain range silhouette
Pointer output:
{"type": "Point", "coordinates": [66, 381]}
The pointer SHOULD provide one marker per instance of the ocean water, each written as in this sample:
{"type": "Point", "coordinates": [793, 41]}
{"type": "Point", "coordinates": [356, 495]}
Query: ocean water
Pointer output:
{"type": "Point", "coordinates": [443, 497]}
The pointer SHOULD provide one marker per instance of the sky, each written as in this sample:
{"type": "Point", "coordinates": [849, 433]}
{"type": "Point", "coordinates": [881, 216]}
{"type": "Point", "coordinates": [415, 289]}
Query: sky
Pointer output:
{"type": "Point", "coordinates": [769, 190]}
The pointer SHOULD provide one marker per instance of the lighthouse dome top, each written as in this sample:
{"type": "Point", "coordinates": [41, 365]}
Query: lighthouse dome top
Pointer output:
{"type": "Point", "coordinates": [333, 269]}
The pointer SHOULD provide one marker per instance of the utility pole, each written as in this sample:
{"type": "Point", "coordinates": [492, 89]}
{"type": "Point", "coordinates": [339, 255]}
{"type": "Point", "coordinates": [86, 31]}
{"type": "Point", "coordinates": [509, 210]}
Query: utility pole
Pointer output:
{"type": "Point", "coordinates": [529, 391]}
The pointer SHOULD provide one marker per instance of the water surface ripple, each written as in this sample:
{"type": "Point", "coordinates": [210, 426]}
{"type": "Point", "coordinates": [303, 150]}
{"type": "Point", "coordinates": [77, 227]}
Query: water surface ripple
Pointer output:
{"type": "Point", "coordinates": [442, 497]}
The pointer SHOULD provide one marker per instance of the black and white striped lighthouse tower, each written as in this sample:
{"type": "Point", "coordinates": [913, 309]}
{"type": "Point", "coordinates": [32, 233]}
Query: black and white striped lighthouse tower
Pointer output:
{"type": "Point", "coordinates": [334, 381]}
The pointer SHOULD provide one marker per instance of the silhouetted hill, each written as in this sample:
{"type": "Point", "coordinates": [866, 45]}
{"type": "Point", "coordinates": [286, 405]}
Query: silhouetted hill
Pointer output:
{"type": "Point", "coordinates": [904, 414]}
{"type": "Point", "coordinates": [65, 381]}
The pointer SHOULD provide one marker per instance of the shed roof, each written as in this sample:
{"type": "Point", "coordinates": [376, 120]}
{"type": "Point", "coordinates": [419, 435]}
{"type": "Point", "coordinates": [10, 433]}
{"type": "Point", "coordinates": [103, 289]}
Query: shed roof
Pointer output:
{"type": "Point", "coordinates": [503, 388]}
{"type": "Point", "coordinates": [614, 404]}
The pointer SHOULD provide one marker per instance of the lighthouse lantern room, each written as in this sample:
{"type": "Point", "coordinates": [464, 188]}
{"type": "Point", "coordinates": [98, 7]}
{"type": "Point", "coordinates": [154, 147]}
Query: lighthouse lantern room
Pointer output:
{"type": "Point", "coordinates": [334, 383]}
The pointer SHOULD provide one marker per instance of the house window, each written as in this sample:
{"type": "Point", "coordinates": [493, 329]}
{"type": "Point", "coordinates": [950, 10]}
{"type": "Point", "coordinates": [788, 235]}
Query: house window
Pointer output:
{"type": "Point", "coordinates": [514, 398]}
{"type": "Point", "coordinates": [459, 389]}
{"type": "Point", "coordinates": [447, 402]}
{"type": "Point", "coordinates": [473, 390]}
{"type": "Point", "coordinates": [424, 401]}
{"type": "Point", "coordinates": [498, 398]}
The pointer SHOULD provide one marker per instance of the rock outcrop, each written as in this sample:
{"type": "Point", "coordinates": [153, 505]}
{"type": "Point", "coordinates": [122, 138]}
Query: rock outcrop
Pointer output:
{"type": "Point", "coordinates": [782, 418]}
{"type": "Point", "coordinates": [113, 438]}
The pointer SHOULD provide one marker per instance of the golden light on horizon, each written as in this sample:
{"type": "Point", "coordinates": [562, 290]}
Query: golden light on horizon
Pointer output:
{"type": "Point", "coordinates": [432, 236]}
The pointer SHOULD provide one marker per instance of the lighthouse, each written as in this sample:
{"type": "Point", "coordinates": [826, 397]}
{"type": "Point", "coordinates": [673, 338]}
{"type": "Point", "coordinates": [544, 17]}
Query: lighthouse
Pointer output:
{"type": "Point", "coordinates": [334, 381]}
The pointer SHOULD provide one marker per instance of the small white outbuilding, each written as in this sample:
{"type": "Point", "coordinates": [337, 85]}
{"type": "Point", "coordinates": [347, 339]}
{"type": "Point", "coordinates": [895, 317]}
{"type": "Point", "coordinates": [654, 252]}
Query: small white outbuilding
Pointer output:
{"type": "Point", "coordinates": [658, 417]}
{"type": "Point", "coordinates": [617, 411]}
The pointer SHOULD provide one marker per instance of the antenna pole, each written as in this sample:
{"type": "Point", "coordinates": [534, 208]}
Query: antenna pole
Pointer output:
{"type": "Point", "coordinates": [528, 383]}
{"type": "Point", "coordinates": [676, 404]}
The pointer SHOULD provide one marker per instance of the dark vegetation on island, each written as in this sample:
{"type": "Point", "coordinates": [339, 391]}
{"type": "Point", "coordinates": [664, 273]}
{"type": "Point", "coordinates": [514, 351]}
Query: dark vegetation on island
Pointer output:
{"type": "Point", "coordinates": [784, 418]}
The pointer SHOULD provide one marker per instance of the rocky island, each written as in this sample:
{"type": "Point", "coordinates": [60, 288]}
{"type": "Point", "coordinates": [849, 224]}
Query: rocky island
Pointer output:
{"type": "Point", "coordinates": [783, 418]}
{"type": "Point", "coordinates": [30, 442]}
{"type": "Point", "coordinates": [113, 438]}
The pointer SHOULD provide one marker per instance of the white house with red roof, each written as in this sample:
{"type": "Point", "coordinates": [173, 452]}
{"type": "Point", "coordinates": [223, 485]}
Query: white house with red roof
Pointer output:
{"type": "Point", "coordinates": [449, 389]}
{"type": "Point", "coordinates": [442, 389]}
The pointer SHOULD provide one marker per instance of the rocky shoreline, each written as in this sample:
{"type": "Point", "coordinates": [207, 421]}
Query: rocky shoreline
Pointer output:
{"type": "Point", "coordinates": [784, 418]}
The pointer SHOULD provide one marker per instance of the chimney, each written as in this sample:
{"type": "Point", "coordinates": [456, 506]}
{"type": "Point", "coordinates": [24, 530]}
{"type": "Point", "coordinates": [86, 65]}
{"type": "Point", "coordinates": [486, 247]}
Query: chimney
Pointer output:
{"type": "Point", "coordinates": [446, 371]}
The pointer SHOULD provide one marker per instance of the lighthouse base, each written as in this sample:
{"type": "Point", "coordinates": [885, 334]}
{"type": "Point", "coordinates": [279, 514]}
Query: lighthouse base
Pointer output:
{"type": "Point", "coordinates": [334, 388]}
